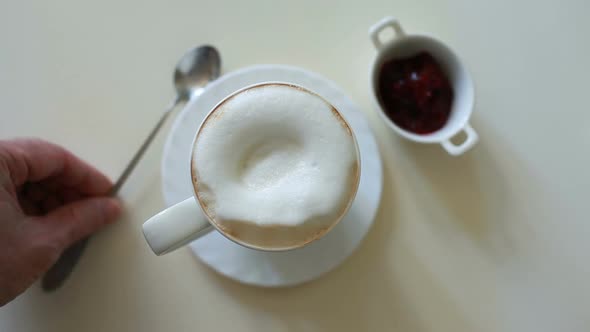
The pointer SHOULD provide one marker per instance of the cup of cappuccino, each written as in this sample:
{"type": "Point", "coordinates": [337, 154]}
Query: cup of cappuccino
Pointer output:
{"type": "Point", "coordinates": [274, 167]}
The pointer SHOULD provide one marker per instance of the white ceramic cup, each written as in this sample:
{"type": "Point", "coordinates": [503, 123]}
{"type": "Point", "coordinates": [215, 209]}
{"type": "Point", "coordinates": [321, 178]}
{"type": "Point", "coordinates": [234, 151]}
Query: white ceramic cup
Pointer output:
{"type": "Point", "coordinates": [186, 221]}
{"type": "Point", "coordinates": [405, 45]}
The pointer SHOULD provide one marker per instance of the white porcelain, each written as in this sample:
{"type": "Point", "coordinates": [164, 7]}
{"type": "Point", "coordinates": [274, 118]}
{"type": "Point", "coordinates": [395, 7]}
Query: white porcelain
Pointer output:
{"type": "Point", "coordinates": [402, 45]}
{"type": "Point", "coordinates": [275, 269]}
{"type": "Point", "coordinates": [185, 222]}
{"type": "Point", "coordinates": [176, 226]}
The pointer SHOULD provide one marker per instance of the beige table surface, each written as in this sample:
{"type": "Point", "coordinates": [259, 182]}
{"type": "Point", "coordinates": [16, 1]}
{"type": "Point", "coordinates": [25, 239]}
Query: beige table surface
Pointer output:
{"type": "Point", "coordinates": [496, 240]}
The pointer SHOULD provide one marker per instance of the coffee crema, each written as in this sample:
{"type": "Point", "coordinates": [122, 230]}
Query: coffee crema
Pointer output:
{"type": "Point", "coordinates": [275, 166]}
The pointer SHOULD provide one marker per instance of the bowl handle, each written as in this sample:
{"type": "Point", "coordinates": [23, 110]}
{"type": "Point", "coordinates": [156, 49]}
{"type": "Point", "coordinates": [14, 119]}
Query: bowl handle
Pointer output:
{"type": "Point", "coordinates": [457, 150]}
{"type": "Point", "coordinates": [387, 22]}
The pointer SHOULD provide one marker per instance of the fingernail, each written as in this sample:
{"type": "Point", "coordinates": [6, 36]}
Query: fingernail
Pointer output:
{"type": "Point", "coordinates": [112, 208]}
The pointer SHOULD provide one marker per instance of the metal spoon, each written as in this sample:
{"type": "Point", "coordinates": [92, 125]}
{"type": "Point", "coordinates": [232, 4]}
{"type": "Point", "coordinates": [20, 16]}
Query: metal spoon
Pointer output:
{"type": "Point", "coordinates": [193, 72]}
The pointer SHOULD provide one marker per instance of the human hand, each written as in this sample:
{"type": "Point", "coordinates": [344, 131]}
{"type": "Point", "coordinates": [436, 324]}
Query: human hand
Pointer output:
{"type": "Point", "coordinates": [49, 199]}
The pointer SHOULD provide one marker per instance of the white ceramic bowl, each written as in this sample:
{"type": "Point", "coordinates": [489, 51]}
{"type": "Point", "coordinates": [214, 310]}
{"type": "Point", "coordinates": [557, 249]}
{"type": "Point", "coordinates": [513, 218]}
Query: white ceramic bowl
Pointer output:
{"type": "Point", "coordinates": [404, 45]}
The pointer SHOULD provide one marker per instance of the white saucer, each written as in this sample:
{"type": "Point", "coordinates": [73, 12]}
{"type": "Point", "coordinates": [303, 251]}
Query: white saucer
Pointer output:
{"type": "Point", "coordinates": [275, 269]}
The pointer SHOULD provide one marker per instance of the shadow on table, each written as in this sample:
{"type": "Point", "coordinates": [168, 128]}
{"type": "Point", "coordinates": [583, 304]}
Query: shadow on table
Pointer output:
{"type": "Point", "coordinates": [372, 290]}
{"type": "Point", "coordinates": [357, 296]}
{"type": "Point", "coordinates": [472, 191]}
{"type": "Point", "coordinates": [364, 294]}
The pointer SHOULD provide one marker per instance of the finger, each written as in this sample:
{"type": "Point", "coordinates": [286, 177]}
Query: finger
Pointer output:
{"type": "Point", "coordinates": [26, 204]}
{"type": "Point", "coordinates": [74, 221]}
{"type": "Point", "coordinates": [47, 197]}
{"type": "Point", "coordinates": [29, 208]}
{"type": "Point", "coordinates": [51, 203]}
{"type": "Point", "coordinates": [70, 195]}
{"type": "Point", "coordinates": [32, 160]}
{"type": "Point", "coordinates": [35, 193]}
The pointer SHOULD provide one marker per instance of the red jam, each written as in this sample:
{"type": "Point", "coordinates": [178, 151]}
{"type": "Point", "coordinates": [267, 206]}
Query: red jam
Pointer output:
{"type": "Point", "coordinates": [415, 93]}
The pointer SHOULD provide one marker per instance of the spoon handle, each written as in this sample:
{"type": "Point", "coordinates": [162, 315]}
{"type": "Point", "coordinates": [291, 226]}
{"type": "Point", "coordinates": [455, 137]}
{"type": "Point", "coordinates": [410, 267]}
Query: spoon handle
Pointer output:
{"type": "Point", "coordinates": [131, 166]}
{"type": "Point", "coordinates": [63, 267]}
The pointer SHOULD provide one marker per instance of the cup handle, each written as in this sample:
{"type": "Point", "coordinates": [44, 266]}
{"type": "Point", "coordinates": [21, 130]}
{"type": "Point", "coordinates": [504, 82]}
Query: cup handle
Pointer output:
{"type": "Point", "coordinates": [457, 150]}
{"type": "Point", "coordinates": [386, 22]}
{"type": "Point", "coordinates": [176, 226]}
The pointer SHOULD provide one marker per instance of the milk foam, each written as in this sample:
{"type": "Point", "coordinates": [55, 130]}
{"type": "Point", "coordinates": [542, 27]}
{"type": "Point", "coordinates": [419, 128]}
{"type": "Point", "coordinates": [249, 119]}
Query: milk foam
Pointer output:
{"type": "Point", "coordinates": [275, 156]}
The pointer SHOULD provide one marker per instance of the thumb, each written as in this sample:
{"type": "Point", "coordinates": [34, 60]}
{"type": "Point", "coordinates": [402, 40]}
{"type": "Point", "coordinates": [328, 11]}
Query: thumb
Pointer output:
{"type": "Point", "coordinates": [77, 220]}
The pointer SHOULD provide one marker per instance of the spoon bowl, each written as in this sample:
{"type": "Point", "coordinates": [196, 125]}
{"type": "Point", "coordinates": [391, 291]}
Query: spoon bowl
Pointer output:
{"type": "Point", "coordinates": [196, 68]}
